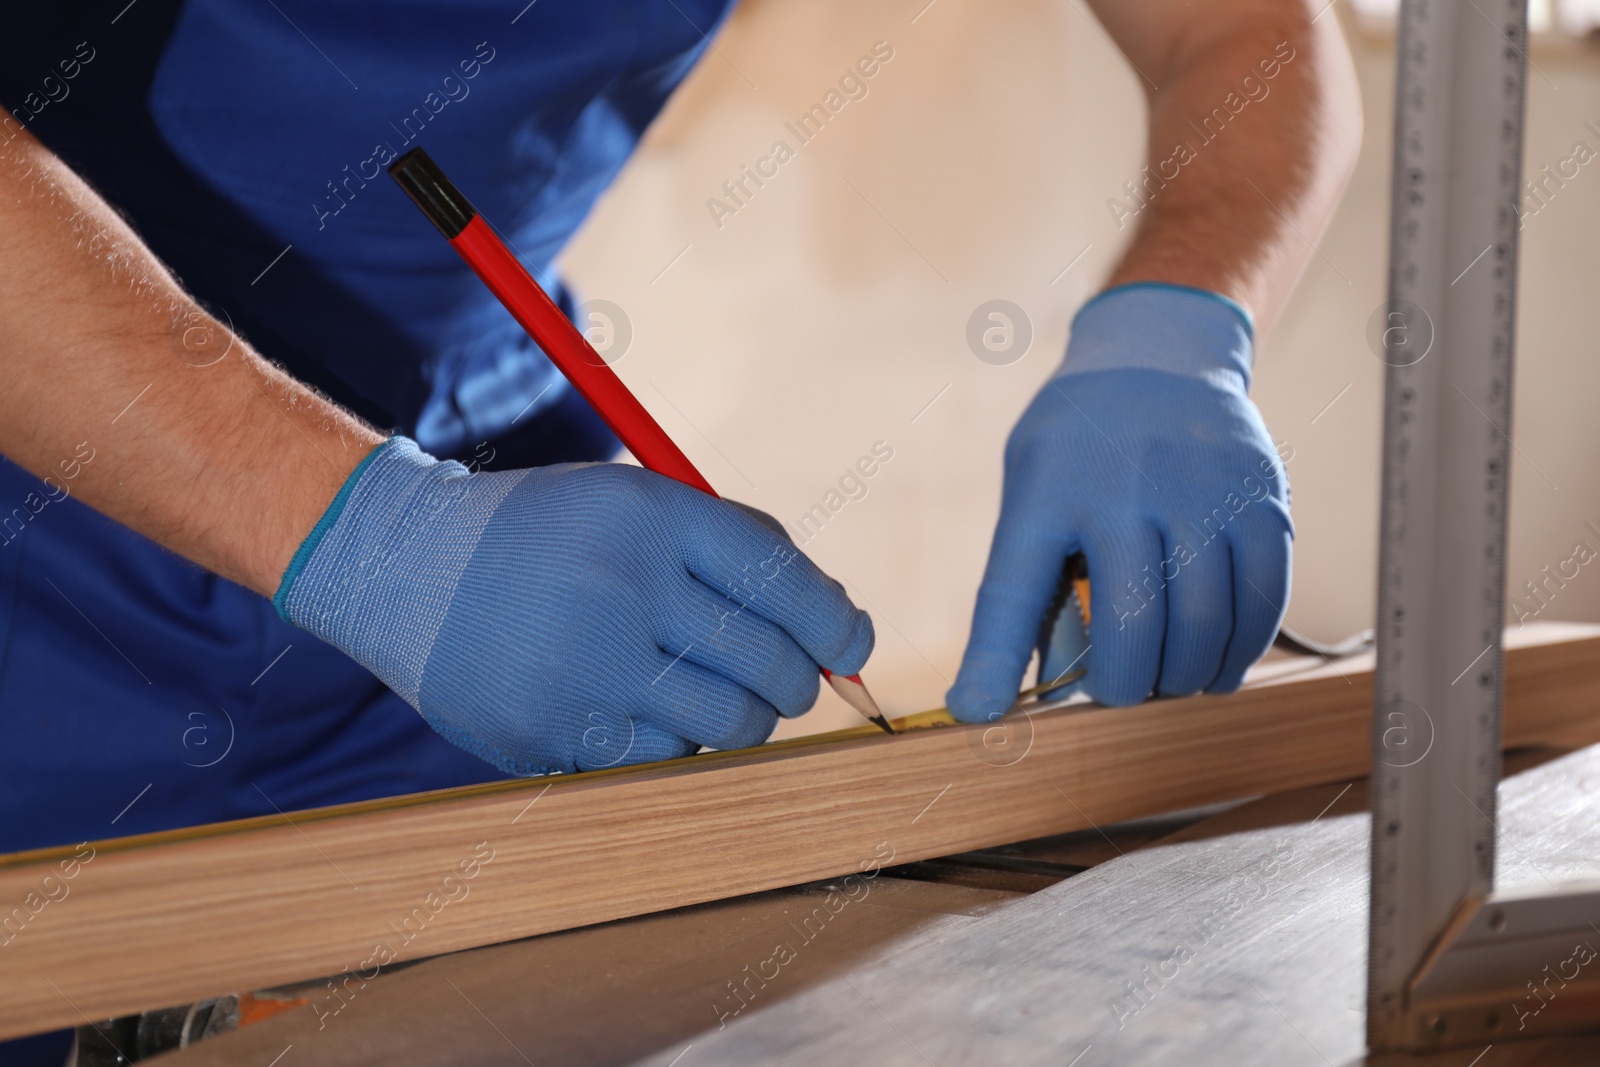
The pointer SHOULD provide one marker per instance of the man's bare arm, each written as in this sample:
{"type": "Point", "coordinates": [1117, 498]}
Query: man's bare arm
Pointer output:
{"type": "Point", "coordinates": [1254, 127]}
{"type": "Point", "coordinates": [198, 443]}
{"type": "Point", "coordinates": [1255, 123]}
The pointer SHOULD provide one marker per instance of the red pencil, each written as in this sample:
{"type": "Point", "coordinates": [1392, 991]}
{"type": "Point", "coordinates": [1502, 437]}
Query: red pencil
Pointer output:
{"type": "Point", "coordinates": [568, 348]}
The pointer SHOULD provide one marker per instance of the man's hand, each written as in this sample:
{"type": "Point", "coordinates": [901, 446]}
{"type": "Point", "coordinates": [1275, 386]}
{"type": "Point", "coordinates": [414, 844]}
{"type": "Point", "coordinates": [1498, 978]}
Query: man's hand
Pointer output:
{"type": "Point", "coordinates": [570, 618]}
{"type": "Point", "coordinates": [1143, 450]}
{"type": "Point", "coordinates": [552, 619]}
{"type": "Point", "coordinates": [1168, 483]}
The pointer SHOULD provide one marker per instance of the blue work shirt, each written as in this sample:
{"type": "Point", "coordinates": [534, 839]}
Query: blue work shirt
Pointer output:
{"type": "Point", "coordinates": [246, 144]}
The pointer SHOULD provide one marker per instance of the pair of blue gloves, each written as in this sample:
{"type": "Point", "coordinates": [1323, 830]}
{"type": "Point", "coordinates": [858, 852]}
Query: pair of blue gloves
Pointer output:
{"type": "Point", "coordinates": [584, 616]}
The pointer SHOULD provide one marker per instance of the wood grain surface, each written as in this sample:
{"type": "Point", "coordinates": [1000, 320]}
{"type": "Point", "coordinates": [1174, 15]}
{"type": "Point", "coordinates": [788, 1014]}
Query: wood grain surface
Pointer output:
{"type": "Point", "coordinates": [555, 999]}
{"type": "Point", "coordinates": [167, 918]}
{"type": "Point", "coordinates": [1240, 943]}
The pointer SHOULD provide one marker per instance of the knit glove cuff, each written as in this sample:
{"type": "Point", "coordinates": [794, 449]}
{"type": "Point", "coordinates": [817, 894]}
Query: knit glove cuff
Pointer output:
{"type": "Point", "coordinates": [1157, 326]}
{"type": "Point", "coordinates": [376, 575]}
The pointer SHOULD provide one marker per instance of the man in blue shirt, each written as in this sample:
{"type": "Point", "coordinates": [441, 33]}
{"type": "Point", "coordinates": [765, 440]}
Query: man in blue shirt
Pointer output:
{"type": "Point", "coordinates": [221, 586]}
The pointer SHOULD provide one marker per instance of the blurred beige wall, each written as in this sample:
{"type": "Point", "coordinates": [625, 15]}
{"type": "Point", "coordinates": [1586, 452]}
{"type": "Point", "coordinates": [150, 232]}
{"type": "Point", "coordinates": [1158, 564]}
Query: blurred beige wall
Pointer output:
{"type": "Point", "coordinates": [781, 342]}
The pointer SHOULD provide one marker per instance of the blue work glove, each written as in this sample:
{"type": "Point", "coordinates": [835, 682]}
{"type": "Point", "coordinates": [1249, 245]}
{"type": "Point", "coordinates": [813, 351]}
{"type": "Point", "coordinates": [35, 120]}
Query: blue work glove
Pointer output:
{"type": "Point", "coordinates": [1145, 453]}
{"type": "Point", "coordinates": [570, 617]}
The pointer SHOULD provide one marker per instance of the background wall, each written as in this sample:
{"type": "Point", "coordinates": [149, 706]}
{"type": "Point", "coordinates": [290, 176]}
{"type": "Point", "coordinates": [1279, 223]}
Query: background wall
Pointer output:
{"type": "Point", "coordinates": [828, 312]}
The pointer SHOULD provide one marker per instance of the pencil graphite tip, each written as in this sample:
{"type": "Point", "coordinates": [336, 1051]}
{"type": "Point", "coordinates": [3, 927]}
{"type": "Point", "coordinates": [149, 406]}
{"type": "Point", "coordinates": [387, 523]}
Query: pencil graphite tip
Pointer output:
{"type": "Point", "coordinates": [854, 692]}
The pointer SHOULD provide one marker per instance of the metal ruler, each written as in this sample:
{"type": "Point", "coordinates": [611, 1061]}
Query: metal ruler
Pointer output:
{"type": "Point", "coordinates": [1448, 962]}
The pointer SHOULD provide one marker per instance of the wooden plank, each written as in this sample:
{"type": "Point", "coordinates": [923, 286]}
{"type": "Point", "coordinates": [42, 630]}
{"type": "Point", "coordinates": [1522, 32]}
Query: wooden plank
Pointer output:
{"type": "Point", "coordinates": [1241, 944]}
{"type": "Point", "coordinates": [168, 918]}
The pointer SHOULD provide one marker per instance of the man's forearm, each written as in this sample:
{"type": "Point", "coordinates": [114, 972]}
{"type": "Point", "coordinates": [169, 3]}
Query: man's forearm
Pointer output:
{"type": "Point", "coordinates": [1255, 123]}
{"type": "Point", "coordinates": [198, 443]}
